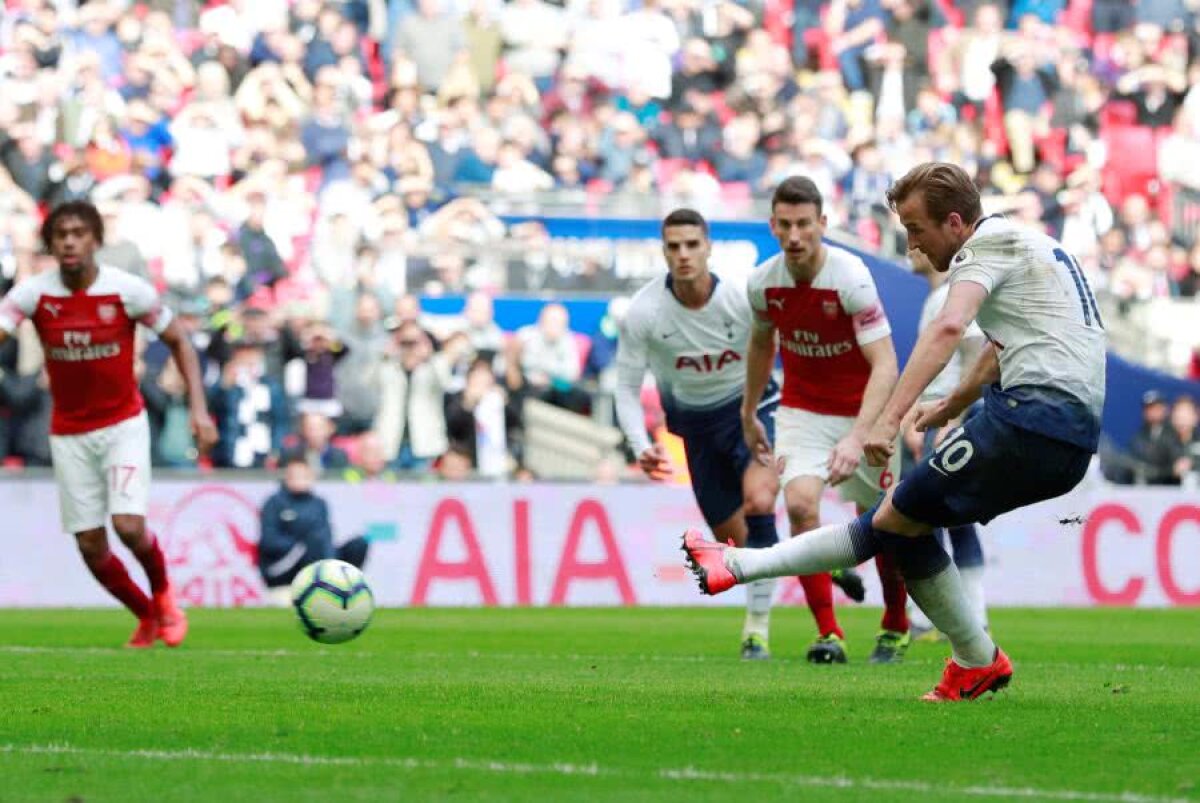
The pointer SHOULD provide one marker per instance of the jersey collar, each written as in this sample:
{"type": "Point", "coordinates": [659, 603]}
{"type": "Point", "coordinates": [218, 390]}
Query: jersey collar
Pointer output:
{"type": "Point", "coordinates": [670, 285]}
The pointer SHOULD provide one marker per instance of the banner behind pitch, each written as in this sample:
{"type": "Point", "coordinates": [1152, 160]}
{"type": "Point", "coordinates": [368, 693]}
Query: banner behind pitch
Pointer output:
{"type": "Point", "coordinates": [473, 544]}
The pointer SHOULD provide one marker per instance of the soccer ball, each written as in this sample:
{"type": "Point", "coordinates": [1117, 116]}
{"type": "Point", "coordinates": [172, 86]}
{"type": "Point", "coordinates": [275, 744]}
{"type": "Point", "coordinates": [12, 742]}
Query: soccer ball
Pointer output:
{"type": "Point", "coordinates": [332, 600]}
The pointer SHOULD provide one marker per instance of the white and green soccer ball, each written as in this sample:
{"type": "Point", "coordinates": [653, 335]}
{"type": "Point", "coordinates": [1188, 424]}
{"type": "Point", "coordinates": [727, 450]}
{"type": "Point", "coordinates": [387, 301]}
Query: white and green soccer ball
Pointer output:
{"type": "Point", "coordinates": [332, 600]}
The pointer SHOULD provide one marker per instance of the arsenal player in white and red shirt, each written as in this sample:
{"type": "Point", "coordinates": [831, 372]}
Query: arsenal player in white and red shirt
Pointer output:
{"type": "Point", "coordinates": [86, 316]}
{"type": "Point", "coordinates": [839, 365]}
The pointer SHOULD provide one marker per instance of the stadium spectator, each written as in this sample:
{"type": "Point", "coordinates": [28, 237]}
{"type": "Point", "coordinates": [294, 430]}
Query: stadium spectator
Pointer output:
{"type": "Point", "coordinates": [357, 374]}
{"type": "Point", "coordinates": [454, 465]}
{"type": "Point", "coordinates": [434, 40]}
{"type": "Point", "coordinates": [475, 420]}
{"type": "Point", "coordinates": [1156, 445]}
{"type": "Point", "coordinates": [1185, 420]}
{"type": "Point", "coordinates": [690, 136]}
{"type": "Point", "coordinates": [411, 422]}
{"type": "Point", "coordinates": [295, 530]}
{"type": "Point", "coordinates": [322, 353]}
{"type": "Point", "coordinates": [250, 410]}
{"type": "Point", "coordinates": [314, 440]}
{"type": "Point", "coordinates": [165, 395]}
{"type": "Point", "coordinates": [372, 464]}
{"type": "Point", "coordinates": [543, 360]}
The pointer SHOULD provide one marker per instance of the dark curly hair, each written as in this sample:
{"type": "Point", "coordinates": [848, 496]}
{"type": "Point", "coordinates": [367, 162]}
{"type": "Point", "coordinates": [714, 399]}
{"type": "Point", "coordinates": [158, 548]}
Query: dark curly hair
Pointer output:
{"type": "Point", "coordinates": [84, 210]}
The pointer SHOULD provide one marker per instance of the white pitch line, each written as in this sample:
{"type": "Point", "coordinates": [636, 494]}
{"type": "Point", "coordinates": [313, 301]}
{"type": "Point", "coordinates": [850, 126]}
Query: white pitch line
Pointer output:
{"type": "Point", "coordinates": [18, 649]}
{"type": "Point", "coordinates": [21, 649]}
{"type": "Point", "coordinates": [683, 774]}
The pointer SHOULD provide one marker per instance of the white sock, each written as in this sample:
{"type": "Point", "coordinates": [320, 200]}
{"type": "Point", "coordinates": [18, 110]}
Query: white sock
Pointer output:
{"type": "Point", "coordinates": [943, 600]}
{"type": "Point", "coordinates": [972, 581]}
{"type": "Point", "coordinates": [917, 617]}
{"type": "Point", "coordinates": [819, 550]}
{"type": "Point", "coordinates": [759, 596]}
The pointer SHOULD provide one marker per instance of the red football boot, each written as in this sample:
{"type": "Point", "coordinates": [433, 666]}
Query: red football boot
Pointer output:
{"type": "Point", "coordinates": [172, 621]}
{"type": "Point", "coordinates": [960, 683]}
{"type": "Point", "coordinates": [706, 559]}
{"type": "Point", "coordinates": [145, 635]}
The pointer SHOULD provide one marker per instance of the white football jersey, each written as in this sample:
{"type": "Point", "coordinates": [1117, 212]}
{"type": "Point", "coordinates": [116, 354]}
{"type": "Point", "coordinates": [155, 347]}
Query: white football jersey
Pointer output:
{"type": "Point", "coordinates": [945, 382]}
{"type": "Point", "coordinates": [697, 357]}
{"type": "Point", "coordinates": [1040, 312]}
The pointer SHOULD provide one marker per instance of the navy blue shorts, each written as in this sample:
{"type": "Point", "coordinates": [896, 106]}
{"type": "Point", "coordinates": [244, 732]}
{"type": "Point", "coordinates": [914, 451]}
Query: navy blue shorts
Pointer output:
{"type": "Point", "coordinates": [985, 468]}
{"type": "Point", "coordinates": [717, 455]}
{"type": "Point", "coordinates": [928, 444]}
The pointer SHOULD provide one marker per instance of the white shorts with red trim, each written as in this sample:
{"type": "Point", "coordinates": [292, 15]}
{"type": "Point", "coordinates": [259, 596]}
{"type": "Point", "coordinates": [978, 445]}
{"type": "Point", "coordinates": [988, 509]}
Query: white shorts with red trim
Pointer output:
{"type": "Point", "coordinates": [102, 473]}
{"type": "Point", "coordinates": [804, 440]}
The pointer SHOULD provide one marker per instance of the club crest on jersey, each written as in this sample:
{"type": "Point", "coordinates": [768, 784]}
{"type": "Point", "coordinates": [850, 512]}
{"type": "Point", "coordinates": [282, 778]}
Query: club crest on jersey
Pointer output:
{"type": "Point", "coordinates": [107, 312]}
{"type": "Point", "coordinates": [964, 255]}
{"type": "Point", "coordinates": [830, 308]}
{"type": "Point", "coordinates": [707, 363]}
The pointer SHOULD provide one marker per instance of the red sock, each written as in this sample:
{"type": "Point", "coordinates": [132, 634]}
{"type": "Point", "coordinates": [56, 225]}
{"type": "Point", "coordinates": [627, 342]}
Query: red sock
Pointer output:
{"type": "Point", "coordinates": [152, 560]}
{"type": "Point", "coordinates": [110, 571]}
{"type": "Point", "coordinates": [895, 595]}
{"type": "Point", "coordinates": [818, 592]}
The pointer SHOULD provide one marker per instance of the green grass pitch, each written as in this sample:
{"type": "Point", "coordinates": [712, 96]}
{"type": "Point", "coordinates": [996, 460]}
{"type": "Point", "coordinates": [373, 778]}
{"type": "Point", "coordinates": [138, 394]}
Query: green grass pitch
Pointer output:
{"type": "Point", "coordinates": [564, 704]}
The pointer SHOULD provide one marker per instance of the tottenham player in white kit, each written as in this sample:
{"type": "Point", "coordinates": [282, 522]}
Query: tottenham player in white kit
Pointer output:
{"type": "Point", "coordinates": [964, 543]}
{"type": "Point", "coordinates": [839, 364]}
{"type": "Point", "coordinates": [1044, 369]}
{"type": "Point", "coordinates": [689, 328]}
{"type": "Point", "coordinates": [86, 316]}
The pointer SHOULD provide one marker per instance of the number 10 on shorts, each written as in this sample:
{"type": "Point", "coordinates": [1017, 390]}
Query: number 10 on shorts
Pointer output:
{"type": "Point", "coordinates": [952, 453]}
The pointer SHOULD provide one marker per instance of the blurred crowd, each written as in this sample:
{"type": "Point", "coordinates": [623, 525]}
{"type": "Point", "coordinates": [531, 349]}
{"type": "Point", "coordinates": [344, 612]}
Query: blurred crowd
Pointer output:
{"type": "Point", "coordinates": [1166, 448]}
{"type": "Point", "coordinates": [292, 173]}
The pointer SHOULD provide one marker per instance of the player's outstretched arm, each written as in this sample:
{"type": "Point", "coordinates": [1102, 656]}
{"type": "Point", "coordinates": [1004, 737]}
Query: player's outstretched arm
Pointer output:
{"type": "Point", "coordinates": [632, 361]}
{"type": "Point", "coordinates": [203, 429]}
{"type": "Point", "coordinates": [881, 356]}
{"type": "Point", "coordinates": [984, 371]}
{"type": "Point", "coordinates": [760, 358]}
{"type": "Point", "coordinates": [933, 350]}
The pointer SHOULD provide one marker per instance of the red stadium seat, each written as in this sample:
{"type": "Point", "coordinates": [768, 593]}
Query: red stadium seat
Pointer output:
{"type": "Point", "coordinates": [737, 196]}
{"type": "Point", "coordinates": [351, 445]}
{"type": "Point", "coordinates": [665, 170]}
{"type": "Point", "coordinates": [1132, 164]}
{"type": "Point", "coordinates": [777, 16]}
{"type": "Point", "coordinates": [1078, 17]}
{"type": "Point", "coordinates": [993, 122]}
{"type": "Point", "coordinates": [583, 343]}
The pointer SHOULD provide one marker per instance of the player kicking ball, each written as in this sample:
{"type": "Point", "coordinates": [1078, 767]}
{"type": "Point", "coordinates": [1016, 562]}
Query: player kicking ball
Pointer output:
{"type": "Point", "coordinates": [689, 328]}
{"type": "Point", "coordinates": [86, 316]}
{"type": "Point", "coordinates": [964, 542]}
{"type": "Point", "coordinates": [1044, 370]}
{"type": "Point", "coordinates": [839, 364]}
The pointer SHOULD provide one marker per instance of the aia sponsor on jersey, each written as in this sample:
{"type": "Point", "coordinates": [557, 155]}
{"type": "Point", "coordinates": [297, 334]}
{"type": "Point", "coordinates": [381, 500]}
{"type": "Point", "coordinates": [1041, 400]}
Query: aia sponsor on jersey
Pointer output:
{"type": "Point", "coordinates": [707, 363]}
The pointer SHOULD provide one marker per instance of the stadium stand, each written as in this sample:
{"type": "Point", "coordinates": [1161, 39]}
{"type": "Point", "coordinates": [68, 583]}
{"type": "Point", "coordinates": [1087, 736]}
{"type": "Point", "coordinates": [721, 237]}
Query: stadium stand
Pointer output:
{"type": "Point", "coordinates": [269, 164]}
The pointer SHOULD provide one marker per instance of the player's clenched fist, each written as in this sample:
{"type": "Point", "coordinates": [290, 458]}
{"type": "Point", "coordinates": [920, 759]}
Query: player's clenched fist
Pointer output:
{"type": "Point", "coordinates": [880, 444]}
{"type": "Point", "coordinates": [844, 459]}
{"type": "Point", "coordinates": [204, 431]}
{"type": "Point", "coordinates": [933, 415]}
{"type": "Point", "coordinates": [755, 434]}
{"type": "Point", "coordinates": [655, 463]}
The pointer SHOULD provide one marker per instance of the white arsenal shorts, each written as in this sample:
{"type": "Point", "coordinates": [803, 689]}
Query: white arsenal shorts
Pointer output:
{"type": "Point", "coordinates": [102, 473]}
{"type": "Point", "coordinates": [805, 441]}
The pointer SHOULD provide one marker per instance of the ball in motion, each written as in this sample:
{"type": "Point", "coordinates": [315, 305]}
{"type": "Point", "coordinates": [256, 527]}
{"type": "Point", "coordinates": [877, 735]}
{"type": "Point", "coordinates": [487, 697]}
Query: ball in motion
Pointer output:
{"type": "Point", "coordinates": [332, 600]}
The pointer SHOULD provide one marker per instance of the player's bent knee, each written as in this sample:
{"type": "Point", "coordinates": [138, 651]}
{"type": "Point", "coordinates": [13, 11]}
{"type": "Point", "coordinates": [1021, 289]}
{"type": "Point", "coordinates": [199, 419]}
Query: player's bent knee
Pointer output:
{"type": "Point", "coordinates": [890, 520]}
{"type": "Point", "coordinates": [131, 529]}
{"type": "Point", "coordinates": [93, 544]}
{"type": "Point", "coordinates": [760, 502]}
